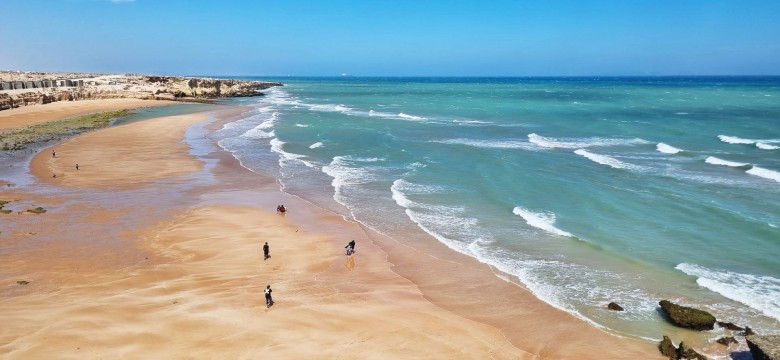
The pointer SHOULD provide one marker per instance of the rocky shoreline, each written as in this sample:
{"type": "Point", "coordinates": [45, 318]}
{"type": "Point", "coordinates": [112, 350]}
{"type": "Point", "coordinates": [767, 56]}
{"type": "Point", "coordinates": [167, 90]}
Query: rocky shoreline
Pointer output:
{"type": "Point", "coordinates": [19, 89]}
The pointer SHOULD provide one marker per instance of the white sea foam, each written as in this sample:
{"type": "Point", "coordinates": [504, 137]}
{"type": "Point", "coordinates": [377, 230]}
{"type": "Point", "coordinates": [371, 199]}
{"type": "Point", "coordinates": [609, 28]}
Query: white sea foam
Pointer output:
{"type": "Point", "coordinates": [541, 220]}
{"type": "Point", "coordinates": [735, 140]}
{"type": "Point", "coordinates": [277, 146]}
{"type": "Point", "coordinates": [410, 117]}
{"type": "Point", "coordinates": [258, 133]}
{"type": "Point", "coordinates": [758, 292]}
{"type": "Point", "coordinates": [604, 159]}
{"type": "Point", "coordinates": [667, 149]}
{"type": "Point", "coordinates": [765, 146]}
{"type": "Point", "coordinates": [764, 173]}
{"type": "Point", "coordinates": [716, 161]}
{"type": "Point", "coordinates": [316, 145]}
{"type": "Point", "coordinates": [681, 113]}
{"type": "Point", "coordinates": [576, 143]}
{"type": "Point", "coordinates": [348, 171]}
{"type": "Point", "coordinates": [489, 144]}
{"type": "Point", "coordinates": [472, 122]}
{"type": "Point", "coordinates": [444, 223]}
{"type": "Point", "coordinates": [302, 125]}
{"type": "Point", "coordinates": [398, 195]}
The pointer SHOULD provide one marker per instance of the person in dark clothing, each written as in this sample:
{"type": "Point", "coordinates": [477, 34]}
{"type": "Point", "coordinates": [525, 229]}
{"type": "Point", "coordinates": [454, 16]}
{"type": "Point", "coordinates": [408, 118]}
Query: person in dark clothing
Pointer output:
{"type": "Point", "coordinates": [350, 247]}
{"type": "Point", "coordinates": [77, 166]}
{"type": "Point", "coordinates": [266, 251]}
{"type": "Point", "coordinates": [268, 300]}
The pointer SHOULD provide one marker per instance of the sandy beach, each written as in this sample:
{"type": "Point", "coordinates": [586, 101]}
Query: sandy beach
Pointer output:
{"type": "Point", "coordinates": [31, 115]}
{"type": "Point", "coordinates": [148, 251]}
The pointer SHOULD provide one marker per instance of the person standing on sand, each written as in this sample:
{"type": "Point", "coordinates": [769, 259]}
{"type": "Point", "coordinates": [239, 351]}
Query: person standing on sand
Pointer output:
{"type": "Point", "coordinates": [77, 166]}
{"type": "Point", "coordinates": [53, 154]}
{"type": "Point", "coordinates": [266, 251]}
{"type": "Point", "coordinates": [268, 300]}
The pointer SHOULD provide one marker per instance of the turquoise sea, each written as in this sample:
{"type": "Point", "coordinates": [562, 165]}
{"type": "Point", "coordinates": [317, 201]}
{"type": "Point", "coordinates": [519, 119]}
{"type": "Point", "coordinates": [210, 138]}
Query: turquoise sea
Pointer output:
{"type": "Point", "coordinates": [585, 190]}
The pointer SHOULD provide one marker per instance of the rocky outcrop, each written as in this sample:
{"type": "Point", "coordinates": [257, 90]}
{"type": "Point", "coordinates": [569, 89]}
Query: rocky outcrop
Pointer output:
{"type": "Point", "coordinates": [90, 87]}
{"type": "Point", "coordinates": [687, 352]}
{"type": "Point", "coordinates": [687, 317]}
{"type": "Point", "coordinates": [667, 349]}
{"type": "Point", "coordinates": [614, 306]}
{"type": "Point", "coordinates": [764, 347]}
{"type": "Point", "coordinates": [210, 88]}
{"type": "Point", "coordinates": [726, 340]}
{"type": "Point", "coordinates": [730, 326]}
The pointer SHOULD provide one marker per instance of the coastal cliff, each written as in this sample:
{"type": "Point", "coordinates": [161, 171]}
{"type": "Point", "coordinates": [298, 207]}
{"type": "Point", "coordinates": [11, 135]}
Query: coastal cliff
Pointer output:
{"type": "Point", "coordinates": [24, 89]}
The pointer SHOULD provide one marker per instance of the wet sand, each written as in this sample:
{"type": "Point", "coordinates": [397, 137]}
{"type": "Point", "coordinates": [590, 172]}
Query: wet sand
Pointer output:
{"type": "Point", "coordinates": [149, 252]}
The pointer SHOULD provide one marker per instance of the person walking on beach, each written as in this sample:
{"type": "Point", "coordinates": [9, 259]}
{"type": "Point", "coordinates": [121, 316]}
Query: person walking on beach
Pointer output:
{"type": "Point", "coordinates": [350, 247]}
{"type": "Point", "coordinates": [268, 300]}
{"type": "Point", "coordinates": [266, 251]}
{"type": "Point", "coordinates": [77, 166]}
{"type": "Point", "coordinates": [53, 154]}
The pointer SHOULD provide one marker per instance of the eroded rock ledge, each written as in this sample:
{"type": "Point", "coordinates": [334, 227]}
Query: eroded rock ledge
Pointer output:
{"type": "Point", "coordinates": [24, 89]}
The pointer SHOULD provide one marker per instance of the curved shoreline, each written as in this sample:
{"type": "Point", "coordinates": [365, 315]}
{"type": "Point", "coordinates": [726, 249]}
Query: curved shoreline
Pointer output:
{"type": "Point", "coordinates": [388, 271]}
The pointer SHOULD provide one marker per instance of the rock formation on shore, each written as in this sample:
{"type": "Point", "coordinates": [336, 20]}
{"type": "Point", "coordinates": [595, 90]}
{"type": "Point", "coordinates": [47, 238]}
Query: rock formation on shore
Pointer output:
{"type": "Point", "coordinates": [24, 89]}
{"type": "Point", "coordinates": [764, 347]}
{"type": "Point", "coordinates": [688, 317]}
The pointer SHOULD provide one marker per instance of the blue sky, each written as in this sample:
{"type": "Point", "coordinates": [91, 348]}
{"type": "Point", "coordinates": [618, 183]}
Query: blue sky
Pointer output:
{"type": "Point", "coordinates": [393, 38]}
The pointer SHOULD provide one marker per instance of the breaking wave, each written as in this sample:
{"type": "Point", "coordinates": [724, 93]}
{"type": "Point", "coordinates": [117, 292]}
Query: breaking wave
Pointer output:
{"type": "Point", "coordinates": [604, 159]}
{"type": "Point", "coordinates": [540, 220]}
{"type": "Point", "coordinates": [764, 173]}
{"type": "Point", "coordinates": [758, 292]}
{"type": "Point", "coordinates": [576, 143]}
{"type": "Point", "coordinates": [667, 149]}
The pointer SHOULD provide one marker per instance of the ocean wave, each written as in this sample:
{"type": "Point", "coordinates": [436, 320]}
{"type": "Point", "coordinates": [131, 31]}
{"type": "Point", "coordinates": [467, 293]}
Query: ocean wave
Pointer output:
{"type": "Point", "coordinates": [316, 145]}
{"type": "Point", "coordinates": [277, 146]}
{"type": "Point", "coordinates": [758, 292]}
{"type": "Point", "coordinates": [444, 223]}
{"type": "Point", "coordinates": [472, 122]}
{"type": "Point", "coordinates": [489, 144]}
{"type": "Point", "coordinates": [346, 172]}
{"type": "Point", "coordinates": [540, 220]}
{"type": "Point", "coordinates": [258, 133]}
{"type": "Point", "coordinates": [716, 161]}
{"type": "Point", "coordinates": [764, 173]}
{"type": "Point", "coordinates": [410, 117]}
{"type": "Point", "coordinates": [667, 149]}
{"type": "Point", "coordinates": [765, 146]}
{"type": "Point", "coordinates": [604, 160]}
{"type": "Point", "coordinates": [576, 143]}
{"type": "Point", "coordinates": [735, 140]}
{"type": "Point", "coordinates": [302, 125]}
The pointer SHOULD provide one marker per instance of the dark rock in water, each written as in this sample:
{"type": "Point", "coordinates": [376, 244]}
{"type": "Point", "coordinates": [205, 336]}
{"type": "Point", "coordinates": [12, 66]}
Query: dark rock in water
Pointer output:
{"type": "Point", "coordinates": [764, 347]}
{"type": "Point", "coordinates": [614, 306]}
{"type": "Point", "coordinates": [667, 348]}
{"type": "Point", "coordinates": [686, 317]}
{"type": "Point", "coordinates": [749, 331]}
{"type": "Point", "coordinates": [730, 326]}
{"type": "Point", "coordinates": [727, 340]}
{"type": "Point", "coordinates": [687, 352]}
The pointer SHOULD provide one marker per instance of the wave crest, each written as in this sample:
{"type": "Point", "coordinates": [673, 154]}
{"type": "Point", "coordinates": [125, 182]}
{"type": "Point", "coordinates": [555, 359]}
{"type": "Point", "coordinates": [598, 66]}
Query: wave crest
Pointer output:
{"type": "Point", "coordinates": [540, 220]}
{"type": "Point", "coordinates": [758, 292]}
{"type": "Point", "coordinates": [667, 149]}
{"type": "Point", "coordinates": [576, 143]}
